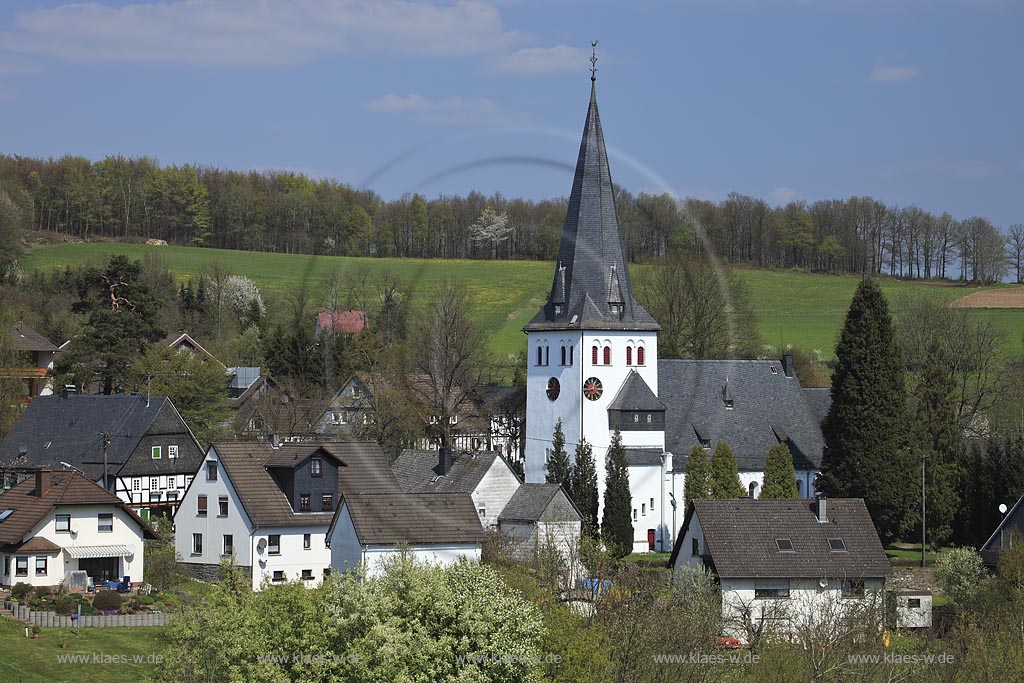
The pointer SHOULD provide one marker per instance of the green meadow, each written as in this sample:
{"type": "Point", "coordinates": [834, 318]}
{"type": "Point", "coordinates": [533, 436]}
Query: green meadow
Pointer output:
{"type": "Point", "coordinates": [798, 308]}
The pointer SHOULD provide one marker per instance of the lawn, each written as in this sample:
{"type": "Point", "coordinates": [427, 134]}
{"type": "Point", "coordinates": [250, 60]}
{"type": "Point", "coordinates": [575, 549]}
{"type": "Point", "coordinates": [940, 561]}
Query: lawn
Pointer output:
{"type": "Point", "coordinates": [909, 555]}
{"type": "Point", "coordinates": [798, 308]}
{"type": "Point", "coordinates": [24, 660]}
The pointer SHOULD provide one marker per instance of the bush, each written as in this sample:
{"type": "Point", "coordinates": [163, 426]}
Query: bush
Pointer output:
{"type": "Point", "coordinates": [21, 591]}
{"type": "Point", "coordinates": [65, 605]}
{"type": "Point", "coordinates": [959, 572]}
{"type": "Point", "coordinates": [89, 611]}
{"type": "Point", "coordinates": [146, 600]}
{"type": "Point", "coordinates": [107, 600]}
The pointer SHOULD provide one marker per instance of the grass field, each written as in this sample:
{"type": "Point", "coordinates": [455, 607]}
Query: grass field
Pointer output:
{"type": "Point", "coordinates": [24, 660]}
{"type": "Point", "coordinates": [802, 309]}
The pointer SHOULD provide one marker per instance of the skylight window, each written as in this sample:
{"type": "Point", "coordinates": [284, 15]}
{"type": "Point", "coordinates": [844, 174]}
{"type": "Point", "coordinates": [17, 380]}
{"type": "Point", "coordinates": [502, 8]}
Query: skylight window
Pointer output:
{"type": "Point", "coordinates": [6, 513]}
{"type": "Point", "coordinates": [784, 545]}
{"type": "Point", "coordinates": [837, 545]}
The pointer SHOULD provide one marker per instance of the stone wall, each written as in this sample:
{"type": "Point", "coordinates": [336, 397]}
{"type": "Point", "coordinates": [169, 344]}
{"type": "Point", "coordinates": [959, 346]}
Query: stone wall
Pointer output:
{"type": "Point", "coordinates": [52, 620]}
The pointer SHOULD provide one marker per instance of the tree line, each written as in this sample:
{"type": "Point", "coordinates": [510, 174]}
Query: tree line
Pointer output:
{"type": "Point", "coordinates": [281, 211]}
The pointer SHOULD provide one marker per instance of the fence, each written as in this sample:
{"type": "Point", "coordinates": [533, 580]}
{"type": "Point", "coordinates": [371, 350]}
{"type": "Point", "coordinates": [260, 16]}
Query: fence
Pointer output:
{"type": "Point", "coordinates": [51, 620]}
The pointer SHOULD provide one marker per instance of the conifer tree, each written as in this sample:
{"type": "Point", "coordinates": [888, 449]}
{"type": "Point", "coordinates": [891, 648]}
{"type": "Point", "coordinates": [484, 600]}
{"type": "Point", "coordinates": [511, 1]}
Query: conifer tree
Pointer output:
{"type": "Point", "coordinates": [616, 523]}
{"type": "Point", "coordinates": [866, 454]}
{"type": "Point", "coordinates": [584, 486]}
{"type": "Point", "coordinates": [725, 478]}
{"type": "Point", "coordinates": [779, 475]}
{"type": "Point", "coordinates": [698, 476]}
{"type": "Point", "coordinates": [559, 467]}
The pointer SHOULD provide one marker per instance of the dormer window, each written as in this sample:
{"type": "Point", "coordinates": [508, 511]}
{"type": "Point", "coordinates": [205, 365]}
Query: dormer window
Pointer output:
{"type": "Point", "coordinates": [316, 467]}
{"type": "Point", "coordinates": [616, 308]}
{"type": "Point", "coordinates": [558, 309]}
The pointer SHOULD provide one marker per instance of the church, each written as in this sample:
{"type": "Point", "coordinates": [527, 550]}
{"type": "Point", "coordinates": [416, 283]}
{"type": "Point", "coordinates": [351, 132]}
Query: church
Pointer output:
{"type": "Point", "coordinates": [593, 363]}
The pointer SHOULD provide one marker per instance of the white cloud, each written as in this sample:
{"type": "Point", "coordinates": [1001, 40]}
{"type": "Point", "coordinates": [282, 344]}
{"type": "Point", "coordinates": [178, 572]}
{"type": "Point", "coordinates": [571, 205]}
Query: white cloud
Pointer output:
{"type": "Point", "coordinates": [892, 74]}
{"type": "Point", "coordinates": [541, 60]}
{"type": "Point", "coordinates": [243, 32]}
{"type": "Point", "coordinates": [454, 110]}
{"type": "Point", "coordinates": [784, 195]}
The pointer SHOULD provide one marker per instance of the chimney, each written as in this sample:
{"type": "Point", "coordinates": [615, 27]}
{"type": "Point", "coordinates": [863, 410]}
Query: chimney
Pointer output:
{"type": "Point", "coordinates": [822, 510]}
{"type": "Point", "coordinates": [68, 390]}
{"type": "Point", "coordinates": [787, 363]}
{"type": "Point", "coordinates": [275, 440]}
{"type": "Point", "coordinates": [444, 460]}
{"type": "Point", "coordinates": [44, 480]}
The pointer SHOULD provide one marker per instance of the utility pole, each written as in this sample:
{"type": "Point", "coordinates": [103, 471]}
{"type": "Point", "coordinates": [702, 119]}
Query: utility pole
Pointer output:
{"type": "Point", "coordinates": [924, 457]}
{"type": "Point", "coordinates": [106, 447]}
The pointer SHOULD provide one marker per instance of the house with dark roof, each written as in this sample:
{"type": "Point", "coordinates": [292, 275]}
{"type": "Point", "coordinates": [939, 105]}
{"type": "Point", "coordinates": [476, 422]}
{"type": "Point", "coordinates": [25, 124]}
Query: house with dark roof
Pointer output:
{"type": "Point", "coordinates": [139, 443]}
{"type": "Point", "coordinates": [269, 506]}
{"type": "Point", "coordinates": [57, 522]}
{"type": "Point", "coordinates": [782, 563]}
{"type": "Point", "coordinates": [540, 516]}
{"type": "Point", "coordinates": [485, 476]}
{"type": "Point", "coordinates": [182, 342]}
{"type": "Point", "coordinates": [37, 354]}
{"type": "Point", "coordinates": [1009, 531]}
{"type": "Point", "coordinates": [371, 529]}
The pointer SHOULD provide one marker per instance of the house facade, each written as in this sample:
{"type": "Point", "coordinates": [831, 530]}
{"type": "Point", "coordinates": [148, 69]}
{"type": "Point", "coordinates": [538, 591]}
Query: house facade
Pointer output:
{"type": "Point", "coordinates": [541, 516]}
{"type": "Point", "coordinates": [785, 564]}
{"type": "Point", "coordinates": [57, 522]}
{"type": "Point", "coordinates": [37, 353]}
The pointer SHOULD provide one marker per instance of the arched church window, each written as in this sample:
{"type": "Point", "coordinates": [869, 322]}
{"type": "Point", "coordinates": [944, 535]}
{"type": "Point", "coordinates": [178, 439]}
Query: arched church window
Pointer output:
{"type": "Point", "coordinates": [563, 354]}
{"type": "Point", "coordinates": [799, 488]}
{"type": "Point", "coordinates": [640, 355]}
{"type": "Point", "coordinates": [607, 355]}
{"type": "Point", "coordinates": [540, 356]}
{"type": "Point", "coordinates": [629, 355]}
{"type": "Point", "coordinates": [547, 355]}
{"type": "Point", "coordinates": [571, 354]}
{"type": "Point", "coordinates": [594, 354]}
{"type": "Point", "coordinates": [752, 489]}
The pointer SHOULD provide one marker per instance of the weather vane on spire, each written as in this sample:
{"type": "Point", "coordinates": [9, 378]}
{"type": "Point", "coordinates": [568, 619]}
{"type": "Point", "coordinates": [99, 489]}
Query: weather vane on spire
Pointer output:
{"type": "Point", "coordinates": [593, 60]}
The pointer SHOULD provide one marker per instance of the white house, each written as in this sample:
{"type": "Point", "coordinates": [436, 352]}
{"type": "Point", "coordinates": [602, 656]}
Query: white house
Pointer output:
{"type": "Point", "coordinates": [270, 507]}
{"type": "Point", "coordinates": [54, 523]}
{"type": "Point", "coordinates": [540, 515]}
{"type": "Point", "coordinates": [435, 528]}
{"type": "Point", "coordinates": [782, 564]}
{"type": "Point", "coordinates": [486, 476]}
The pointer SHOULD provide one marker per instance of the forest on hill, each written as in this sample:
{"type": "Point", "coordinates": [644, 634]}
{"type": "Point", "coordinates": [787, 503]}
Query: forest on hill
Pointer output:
{"type": "Point", "coordinates": [278, 211]}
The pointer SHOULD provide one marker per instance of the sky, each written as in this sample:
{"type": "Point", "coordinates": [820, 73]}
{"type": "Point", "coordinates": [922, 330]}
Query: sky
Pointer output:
{"type": "Point", "coordinates": [909, 101]}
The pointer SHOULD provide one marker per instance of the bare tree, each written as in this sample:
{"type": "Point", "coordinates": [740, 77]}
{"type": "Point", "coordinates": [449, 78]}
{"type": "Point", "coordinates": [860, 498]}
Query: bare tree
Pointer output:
{"type": "Point", "coordinates": [1017, 248]}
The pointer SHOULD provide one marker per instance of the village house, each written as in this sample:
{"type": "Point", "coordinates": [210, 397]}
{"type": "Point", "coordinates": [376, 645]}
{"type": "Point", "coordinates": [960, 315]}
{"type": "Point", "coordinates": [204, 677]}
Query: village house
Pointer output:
{"type": "Point", "coordinates": [139, 444]}
{"type": "Point", "coordinates": [37, 353]}
{"type": "Point", "coordinates": [340, 322]}
{"type": "Point", "coordinates": [57, 522]}
{"type": "Point", "coordinates": [540, 517]}
{"type": "Point", "coordinates": [785, 564]}
{"type": "Point", "coordinates": [1010, 530]}
{"type": "Point", "coordinates": [269, 507]}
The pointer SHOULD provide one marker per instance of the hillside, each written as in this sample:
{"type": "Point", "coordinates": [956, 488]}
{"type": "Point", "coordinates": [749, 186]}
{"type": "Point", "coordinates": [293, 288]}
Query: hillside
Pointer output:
{"type": "Point", "coordinates": [799, 308]}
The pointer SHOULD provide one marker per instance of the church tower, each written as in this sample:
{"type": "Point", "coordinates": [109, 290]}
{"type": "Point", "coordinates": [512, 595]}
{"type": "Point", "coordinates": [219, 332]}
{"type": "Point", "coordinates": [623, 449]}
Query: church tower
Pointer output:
{"type": "Point", "coordinates": [591, 344]}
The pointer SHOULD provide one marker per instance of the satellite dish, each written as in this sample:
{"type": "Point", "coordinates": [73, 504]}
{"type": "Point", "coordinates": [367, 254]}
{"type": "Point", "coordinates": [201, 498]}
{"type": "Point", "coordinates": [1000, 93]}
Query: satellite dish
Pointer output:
{"type": "Point", "coordinates": [261, 546]}
{"type": "Point", "coordinates": [823, 582]}
{"type": "Point", "coordinates": [131, 549]}
{"type": "Point", "coordinates": [1002, 508]}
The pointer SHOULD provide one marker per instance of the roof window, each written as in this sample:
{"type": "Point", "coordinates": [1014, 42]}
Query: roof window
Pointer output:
{"type": "Point", "coordinates": [6, 513]}
{"type": "Point", "coordinates": [784, 545]}
{"type": "Point", "coordinates": [837, 545]}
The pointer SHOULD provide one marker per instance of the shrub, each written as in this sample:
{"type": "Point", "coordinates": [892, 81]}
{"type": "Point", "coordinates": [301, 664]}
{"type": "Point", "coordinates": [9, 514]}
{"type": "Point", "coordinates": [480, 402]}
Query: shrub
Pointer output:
{"type": "Point", "coordinates": [107, 600]}
{"type": "Point", "coordinates": [89, 611]}
{"type": "Point", "coordinates": [65, 604]}
{"type": "Point", "coordinates": [146, 600]}
{"type": "Point", "coordinates": [21, 591]}
{"type": "Point", "coordinates": [959, 572]}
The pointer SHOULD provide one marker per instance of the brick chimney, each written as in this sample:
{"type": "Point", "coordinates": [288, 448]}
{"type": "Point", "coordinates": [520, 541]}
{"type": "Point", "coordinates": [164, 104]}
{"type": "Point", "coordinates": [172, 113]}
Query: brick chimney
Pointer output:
{"type": "Point", "coordinates": [44, 480]}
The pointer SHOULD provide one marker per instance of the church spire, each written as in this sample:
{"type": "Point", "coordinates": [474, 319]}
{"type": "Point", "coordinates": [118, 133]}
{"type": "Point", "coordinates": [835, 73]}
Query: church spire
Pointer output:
{"type": "Point", "coordinates": [591, 287]}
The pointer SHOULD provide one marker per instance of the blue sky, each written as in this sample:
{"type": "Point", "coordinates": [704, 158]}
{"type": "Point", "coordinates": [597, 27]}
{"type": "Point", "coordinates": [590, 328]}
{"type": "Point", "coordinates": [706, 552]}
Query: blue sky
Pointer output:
{"type": "Point", "coordinates": [910, 101]}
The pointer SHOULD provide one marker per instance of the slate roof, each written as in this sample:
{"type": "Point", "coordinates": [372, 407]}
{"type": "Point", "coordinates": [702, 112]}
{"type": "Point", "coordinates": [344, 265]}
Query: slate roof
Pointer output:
{"type": "Point", "coordinates": [766, 407]}
{"type": "Point", "coordinates": [27, 339]}
{"type": "Point", "coordinates": [66, 487]}
{"type": "Point", "coordinates": [644, 456]}
{"type": "Point", "coordinates": [364, 469]}
{"type": "Point", "coordinates": [530, 502]}
{"type": "Point", "coordinates": [819, 400]}
{"type": "Point", "coordinates": [740, 538]}
{"type": "Point", "coordinates": [1011, 524]}
{"type": "Point", "coordinates": [592, 272]}
{"type": "Point", "coordinates": [636, 394]}
{"type": "Point", "coordinates": [420, 471]}
{"type": "Point", "coordinates": [55, 429]}
{"type": "Point", "coordinates": [413, 518]}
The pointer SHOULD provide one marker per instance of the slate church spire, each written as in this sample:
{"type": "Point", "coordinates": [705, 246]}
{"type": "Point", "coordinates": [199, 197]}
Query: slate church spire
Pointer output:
{"type": "Point", "coordinates": [591, 287]}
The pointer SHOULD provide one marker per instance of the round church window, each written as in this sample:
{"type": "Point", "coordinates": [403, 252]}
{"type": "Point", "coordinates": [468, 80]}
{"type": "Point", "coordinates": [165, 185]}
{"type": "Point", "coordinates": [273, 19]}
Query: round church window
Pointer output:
{"type": "Point", "coordinates": [592, 389]}
{"type": "Point", "coordinates": [554, 388]}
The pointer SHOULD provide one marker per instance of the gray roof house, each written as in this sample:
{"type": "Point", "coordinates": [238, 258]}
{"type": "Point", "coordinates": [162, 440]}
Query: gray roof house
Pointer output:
{"type": "Point", "coordinates": [541, 515]}
{"type": "Point", "coordinates": [1009, 531]}
{"type": "Point", "coordinates": [150, 452]}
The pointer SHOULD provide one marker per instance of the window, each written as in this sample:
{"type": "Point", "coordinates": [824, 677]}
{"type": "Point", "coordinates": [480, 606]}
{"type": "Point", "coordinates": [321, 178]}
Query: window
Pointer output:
{"type": "Point", "coordinates": [837, 545]}
{"type": "Point", "coordinates": [278, 576]}
{"type": "Point", "coordinates": [634, 514]}
{"type": "Point", "coordinates": [172, 452]}
{"type": "Point", "coordinates": [482, 512]}
{"type": "Point", "coordinates": [636, 417]}
{"type": "Point", "coordinates": [629, 355]}
{"type": "Point", "coordinates": [643, 509]}
{"type": "Point", "coordinates": [201, 506]}
{"type": "Point", "coordinates": [6, 513]}
{"type": "Point", "coordinates": [154, 483]}
{"type": "Point", "coordinates": [593, 354]}
{"type": "Point", "coordinates": [316, 467]}
{"type": "Point", "coordinates": [136, 484]}
{"type": "Point", "coordinates": [695, 547]}
{"type": "Point", "coordinates": [21, 566]}
{"type": "Point", "coordinates": [914, 603]}
{"type": "Point", "coordinates": [154, 497]}
{"type": "Point", "coordinates": [454, 419]}
{"type": "Point", "coordinates": [306, 541]}
{"type": "Point", "coordinates": [40, 566]}
{"type": "Point", "coordinates": [652, 505]}
{"type": "Point", "coordinates": [768, 590]}
{"type": "Point", "coordinates": [307, 574]}
{"type": "Point", "coordinates": [229, 545]}
{"type": "Point", "coordinates": [547, 355]}
{"type": "Point", "coordinates": [304, 505]}
{"type": "Point", "coordinates": [155, 452]}
{"type": "Point", "coordinates": [540, 356]}
{"type": "Point", "coordinates": [222, 506]}
{"type": "Point", "coordinates": [571, 354]}
{"type": "Point", "coordinates": [327, 502]}
{"type": "Point", "coordinates": [563, 355]}
{"type": "Point", "coordinates": [274, 544]}
{"type": "Point", "coordinates": [188, 481]}
{"type": "Point", "coordinates": [197, 544]}
{"type": "Point", "coordinates": [752, 489]}
{"type": "Point", "coordinates": [327, 572]}
{"type": "Point", "coordinates": [211, 471]}
{"type": "Point", "coordinates": [63, 523]}
{"type": "Point", "coordinates": [172, 495]}
{"type": "Point", "coordinates": [106, 522]}
{"type": "Point", "coordinates": [640, 355]}
{"type": "Point", "coordinates": [853, 588]}
{"type": "Point", "coordinates": [784, 545]}
{"type": "Point", "coordinates": [7, 565]}
{"type": "Point", "coordinates": [607, 355]}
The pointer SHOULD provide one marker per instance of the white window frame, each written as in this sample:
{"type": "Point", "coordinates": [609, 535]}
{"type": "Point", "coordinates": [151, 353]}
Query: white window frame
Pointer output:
{"type": "Point", "coordinates": [172, 452]}
{"type": "Point", "coordinates": [156, 452]}
{"type": "Point", "coordinates": [99, 523]}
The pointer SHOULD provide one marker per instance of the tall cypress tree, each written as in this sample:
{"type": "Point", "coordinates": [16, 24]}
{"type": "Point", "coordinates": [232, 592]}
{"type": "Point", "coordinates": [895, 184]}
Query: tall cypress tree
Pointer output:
{"type": "Point", "coordinates": [698, 476]}
{"type": "Point", "coordinates": [725, 477]}
{"type": "Point", "coordinates": [616, 523]}
{"type": "Point", "coordinates": [559, 467]}
{"type": "Point", "coordinates": [779, 475]}
{"type": "Point", "coordinates": [584, 486]}
{"type": "Point", "coordinates": [866, 454]}
{"type": "Point", "coordinates": [937, 433]}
